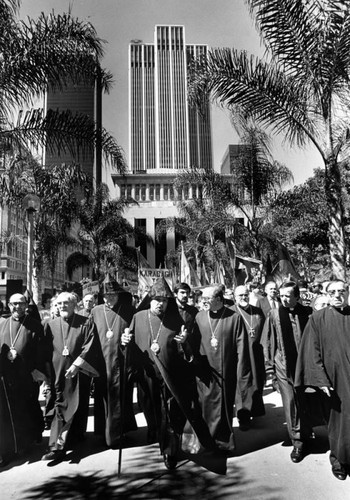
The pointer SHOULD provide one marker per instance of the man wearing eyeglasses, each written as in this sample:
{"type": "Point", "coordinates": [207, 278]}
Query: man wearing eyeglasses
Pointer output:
{"type": "Point", "coordinates": [323, 362]}
{"type": "Point", "coordinates": [22, 366]}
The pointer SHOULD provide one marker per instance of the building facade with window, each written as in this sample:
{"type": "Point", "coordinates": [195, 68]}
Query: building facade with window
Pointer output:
{"type": "Point", "coordinates": [166, 134]}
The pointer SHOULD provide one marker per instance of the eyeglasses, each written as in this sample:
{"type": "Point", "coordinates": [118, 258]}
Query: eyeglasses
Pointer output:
{"type": "Point", "coordinates": [243, 295]}
{"type": "Point", "coordinates": [333, 292]}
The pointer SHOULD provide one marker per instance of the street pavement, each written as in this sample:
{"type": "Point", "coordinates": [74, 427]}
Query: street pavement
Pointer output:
{"type": "Point", "coordinates": [260, 470]}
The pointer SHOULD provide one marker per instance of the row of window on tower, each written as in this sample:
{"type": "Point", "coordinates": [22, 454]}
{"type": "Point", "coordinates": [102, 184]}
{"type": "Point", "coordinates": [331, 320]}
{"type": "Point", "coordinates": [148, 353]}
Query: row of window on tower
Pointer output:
{"type": "Point", "coordinates": [160, 192]}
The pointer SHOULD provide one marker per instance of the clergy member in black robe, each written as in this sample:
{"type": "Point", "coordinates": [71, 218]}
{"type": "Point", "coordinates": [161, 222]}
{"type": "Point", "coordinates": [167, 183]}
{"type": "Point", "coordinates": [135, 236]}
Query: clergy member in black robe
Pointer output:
{"type": "Point", "coordinates": [162, 357]}
{"type": "Point", "coordinates": [250, 403]}
{"type": "Point", "coordinates": [115, 382]}
{"type": "Point", "coordinates": [281, 338]}
{"type": "Point", "coordinates": [323, 363]}
{"type": "Point", "coordinates": [223, 363]}
{"type": "Point", "coordinates": [74, 358]}
{"type": "Point", "coordinates": [22, 364]}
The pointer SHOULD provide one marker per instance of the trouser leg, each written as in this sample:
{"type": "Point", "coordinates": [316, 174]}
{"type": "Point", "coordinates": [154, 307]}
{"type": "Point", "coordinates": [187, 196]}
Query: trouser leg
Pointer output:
{"type": "Point", "coordinates": [290, 407]}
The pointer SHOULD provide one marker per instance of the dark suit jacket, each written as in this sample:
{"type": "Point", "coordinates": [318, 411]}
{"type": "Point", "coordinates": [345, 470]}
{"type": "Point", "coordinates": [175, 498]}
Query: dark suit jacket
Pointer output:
{"type": "Point", "coordinates": [264, 304]}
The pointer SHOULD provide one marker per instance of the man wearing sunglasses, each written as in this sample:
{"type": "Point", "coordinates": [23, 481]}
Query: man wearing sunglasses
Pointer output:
{"type": "Point", "coordinates": [324, 362]}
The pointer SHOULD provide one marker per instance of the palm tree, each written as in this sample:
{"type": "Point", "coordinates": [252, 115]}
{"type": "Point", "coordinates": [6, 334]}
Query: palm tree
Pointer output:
{"type": "Point", "coordinates": [104, 232]}
{"type": "Point", "coordinates": [255, 181]}
{"type": "Point", "coordinates": [60, 190]}
{"type": "Point", "coordinates": [300, 89]}
{"type": "Point", "coordinates": [50, 52]}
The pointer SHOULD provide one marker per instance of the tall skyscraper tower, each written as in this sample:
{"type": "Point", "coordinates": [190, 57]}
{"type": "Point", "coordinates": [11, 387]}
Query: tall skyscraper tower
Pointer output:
{"type": "Point", "coordinates": [165, 133]}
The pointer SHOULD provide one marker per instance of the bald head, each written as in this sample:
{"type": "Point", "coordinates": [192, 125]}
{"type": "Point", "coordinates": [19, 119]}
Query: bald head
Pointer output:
{"type": "Point", "coordinates": [213, 298]}
{"type": "Point", "coordinates": [17, 304]}
{"type": "Point", "coordinates": [66, 303]}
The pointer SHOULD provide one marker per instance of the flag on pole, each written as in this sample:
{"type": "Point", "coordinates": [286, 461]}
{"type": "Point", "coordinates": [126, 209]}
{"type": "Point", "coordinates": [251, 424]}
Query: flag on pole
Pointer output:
{"type": "Point", "coordinates": [231, 250]}
{"type": "Point", "coordinates": [284, 269]}
{"type": "Point", "coordinates": [185, 271]}
{"type": "Point", "coordinates": [204, 275]}
{"type": "Point", "coordinates": [219, 273]}
{"type": "Point", "coordinates": [145, 282]}
{"type": "Point", "coordinates": [246, 269]}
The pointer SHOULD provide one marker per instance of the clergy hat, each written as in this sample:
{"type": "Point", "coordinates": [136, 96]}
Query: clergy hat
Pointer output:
{"type": "Point", "coordinates": [112, 287]}
{"type": "Point", "coordinates": [160, 289]}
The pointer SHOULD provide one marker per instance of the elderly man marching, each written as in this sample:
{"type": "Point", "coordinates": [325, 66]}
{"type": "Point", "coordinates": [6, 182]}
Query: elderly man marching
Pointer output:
{"type": "Point", "coordinates": [223, 365]}
{"type": "Point", "coordinates": [323, 362]}
{"type": "Point", "coordinates": [250, 403]}
{"type": "Point", "coordinates": [75, 350]}
{"type": "Point", "coordinates": [22, 365]}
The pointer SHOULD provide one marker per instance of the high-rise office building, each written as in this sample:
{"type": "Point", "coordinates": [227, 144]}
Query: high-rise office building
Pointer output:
{"type": "Point", "coordinates": [165, 133]}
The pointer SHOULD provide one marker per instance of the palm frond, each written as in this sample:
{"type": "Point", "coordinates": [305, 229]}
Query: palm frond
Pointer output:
{"type": "Point", "coordinates": [61, 132]}
{"type": "Point", "coordinates": [263, 92]}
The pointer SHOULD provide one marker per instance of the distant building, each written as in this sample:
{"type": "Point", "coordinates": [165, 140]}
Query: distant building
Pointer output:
{"type": "Point", "coordinates": [231, 157]}
{"type": "Point", "coordinates": [165, 133]}
{"type": "Point", "coordinates": [80, 99]}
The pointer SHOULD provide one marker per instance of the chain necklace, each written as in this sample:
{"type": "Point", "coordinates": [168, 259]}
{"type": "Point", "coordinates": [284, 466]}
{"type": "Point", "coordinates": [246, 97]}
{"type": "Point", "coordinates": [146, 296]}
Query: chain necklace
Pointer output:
{"type": "Point", "coordinates": [155, 347]}
{"type": "Point", "coordinates": [110, 333]}
{"type": "Point", "coordinates": [12, 354]}
{"type": "Point", "coordinates": [251, 330]}
{"type": "Point", "coordinates": [65, 351]}
{"type": "Point", "coordinates": [214, 341]}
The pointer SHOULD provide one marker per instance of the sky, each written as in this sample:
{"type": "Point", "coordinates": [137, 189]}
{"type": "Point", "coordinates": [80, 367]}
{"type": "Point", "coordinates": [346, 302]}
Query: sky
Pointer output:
{"type": "Point", "coordinates": [217, 23]}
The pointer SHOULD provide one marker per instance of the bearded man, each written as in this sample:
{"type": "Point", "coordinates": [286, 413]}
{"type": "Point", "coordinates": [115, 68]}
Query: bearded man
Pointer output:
{"type": "Point", "coordinates": [250, 403]}
{"type": "Point", "coordinates": [75, 350]}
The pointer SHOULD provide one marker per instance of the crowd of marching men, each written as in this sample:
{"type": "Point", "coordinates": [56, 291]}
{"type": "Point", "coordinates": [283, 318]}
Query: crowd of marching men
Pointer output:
{"type": "Point", "coordinates": [197, 358]}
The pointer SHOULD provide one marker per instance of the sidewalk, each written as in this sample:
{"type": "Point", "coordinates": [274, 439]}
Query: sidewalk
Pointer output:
{"type": "Point", "coordinates": [262, 470]}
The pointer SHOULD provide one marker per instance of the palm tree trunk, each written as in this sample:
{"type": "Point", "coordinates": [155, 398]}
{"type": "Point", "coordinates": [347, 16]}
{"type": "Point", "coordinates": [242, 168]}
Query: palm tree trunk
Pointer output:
{"type": "Point", "coordinates": [336, 235]}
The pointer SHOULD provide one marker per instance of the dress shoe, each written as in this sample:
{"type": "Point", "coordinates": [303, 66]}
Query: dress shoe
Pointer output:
{"type": "Point", "coordinates": [170, 461]}
{"type": "Point", "coordinates": [54, 455]}
{"type": "Point", "coordinates": [244, 425]}
{"type": "Point", "coordinates": [339, 472]}
{"type": "Point", "coordinates": [297, 455]}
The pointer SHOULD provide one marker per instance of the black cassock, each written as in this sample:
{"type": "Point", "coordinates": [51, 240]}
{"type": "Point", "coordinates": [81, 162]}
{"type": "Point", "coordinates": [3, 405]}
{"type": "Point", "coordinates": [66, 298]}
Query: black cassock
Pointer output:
{"type": "Point", "coordinates": [109, 386]}
{"type": "Point", "coordinates": [221, 370]}
{"type": "Point", "coordinates": [165, 381]}
{"type": "Point", "coordinates": [73, 341]}
{"type": "Point", "coordinates": [252, 400]}
{"type": "Point", "coordinates": [324, 360]}
{"type": "Point", "coordinates": [21, 419]}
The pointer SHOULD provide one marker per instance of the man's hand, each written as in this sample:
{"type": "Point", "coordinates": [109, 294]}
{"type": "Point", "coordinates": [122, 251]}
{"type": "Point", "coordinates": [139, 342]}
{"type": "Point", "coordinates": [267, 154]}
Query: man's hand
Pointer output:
{"type": "Point", "coordinates": [126, 337]}
{"type": "Point", "coordinates": [327, 390]}
{"type": "Point", "coordinates": [72, 371]}
{"type": "Point", "coordinates": [182, 336]}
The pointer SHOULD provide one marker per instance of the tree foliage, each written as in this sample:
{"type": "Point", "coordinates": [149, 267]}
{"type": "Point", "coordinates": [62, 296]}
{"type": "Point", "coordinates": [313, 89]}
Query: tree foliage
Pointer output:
{"type": "Point", "coordinates": [299, 215]}
{"type": "Point", "coordinates": [105, 232]}
{"type": "Point", "coordinates": [300, 89]}
{"type": "Point", "coordinates": [52, 51]}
